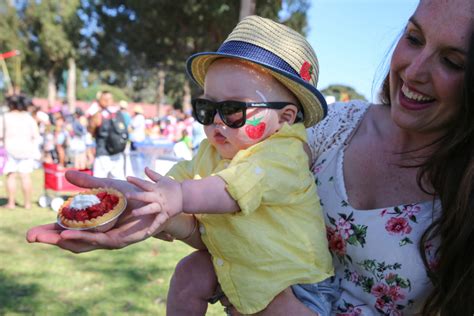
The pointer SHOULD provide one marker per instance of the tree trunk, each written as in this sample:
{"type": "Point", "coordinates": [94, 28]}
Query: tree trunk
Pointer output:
{"type": "Point", "coordinates": [161, 90]}
{"type": "Point", "coordinates": [186, 97]}
{"type": "Point", "coordinates": [71, 85]}
{"type": "Point", "coordinates": [247, 7]}
{"type": "Point", "coordinates": [51, 88]}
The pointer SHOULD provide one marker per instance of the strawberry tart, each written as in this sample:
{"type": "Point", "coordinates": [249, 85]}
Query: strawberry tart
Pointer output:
{"type": "Point", "coordinates": [92, 209]}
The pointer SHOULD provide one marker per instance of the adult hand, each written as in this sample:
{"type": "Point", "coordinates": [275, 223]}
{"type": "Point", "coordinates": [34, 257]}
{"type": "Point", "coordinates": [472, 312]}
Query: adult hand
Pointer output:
{"type": "Point", "coordinates": [129, 229]}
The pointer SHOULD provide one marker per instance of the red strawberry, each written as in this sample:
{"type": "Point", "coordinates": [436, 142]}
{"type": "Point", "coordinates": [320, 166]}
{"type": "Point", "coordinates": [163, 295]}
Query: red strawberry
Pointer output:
{"type": "Point", "coordinates": [67, 213]}
{"type": "Point", "coordinates": [101, 195]}
{"type": "Point", "coordinates": [306, 71]}
{"type": "Point", "coordinates": [255, 128]}
{"type": "Point", "coordinates": [81, 216]}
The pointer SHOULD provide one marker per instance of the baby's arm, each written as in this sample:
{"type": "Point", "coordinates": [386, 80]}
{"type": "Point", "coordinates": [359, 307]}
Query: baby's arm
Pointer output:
{"type": "Point", "coordinates": [168, 198]}
{"type": "Point", "coordinates": [184, 227]}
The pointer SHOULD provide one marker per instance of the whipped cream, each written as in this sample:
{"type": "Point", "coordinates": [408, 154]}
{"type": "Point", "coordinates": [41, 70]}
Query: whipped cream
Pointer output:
{"type": "Point", "coordinates": [83, 201]}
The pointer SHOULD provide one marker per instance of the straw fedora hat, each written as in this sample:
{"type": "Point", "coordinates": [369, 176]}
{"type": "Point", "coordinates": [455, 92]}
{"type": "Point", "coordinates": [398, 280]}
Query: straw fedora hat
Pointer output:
{"type": "Point", "coordinates": [285, 53]}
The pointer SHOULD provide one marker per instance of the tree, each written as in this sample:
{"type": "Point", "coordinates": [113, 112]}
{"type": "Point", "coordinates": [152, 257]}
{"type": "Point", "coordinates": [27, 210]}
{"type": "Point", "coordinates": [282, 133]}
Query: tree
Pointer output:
{"type": "Point", "coordinates": [52, 31]}
{"type": "Point", "coordinates": [47, 33]}
{"type": "Point", "coordinates": [340, 92]}
{"type": "Point", "coordinates": [9, 40]}
{"type": "Point", "coordinates": [138, 39]}
{"type": "Point", "coordinates": [247, 7]}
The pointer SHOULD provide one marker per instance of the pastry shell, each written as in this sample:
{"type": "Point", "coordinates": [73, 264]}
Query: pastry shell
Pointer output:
{"type": "Point", "coordinates": [101, 223]}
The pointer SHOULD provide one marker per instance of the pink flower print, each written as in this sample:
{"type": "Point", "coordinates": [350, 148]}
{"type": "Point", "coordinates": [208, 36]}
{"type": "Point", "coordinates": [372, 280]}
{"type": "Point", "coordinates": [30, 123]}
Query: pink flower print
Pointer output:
{"type": "Point", "coordinates": [396, 312]}
{"type": "Point", "coordinates": [389, 278]}
{"type": "Point", "coordinates": [351, 311]}
{"type": "Point", "coordinates": [330, 232]}
{"type": "Point", "coordinates": [391, 309]}
{"type": "Point", "coordinates": [411, 210]}
{"type": "Point", "coordinates": [345, 228]}
{"type": "Point", "coordinates": [398, 226]}
{"type": "Point", "coordinates": [354, 277]}
{"type": "Point", "coordinates": [343, 224]}
{"type": "Point", "coordinates": [337, 244]}
{"type": "Point", "coordinates": [380, 303]}
{"type": "Point", "coordinates": [395, 293]}
{"type": "Point", "coordinates": [379, 290]}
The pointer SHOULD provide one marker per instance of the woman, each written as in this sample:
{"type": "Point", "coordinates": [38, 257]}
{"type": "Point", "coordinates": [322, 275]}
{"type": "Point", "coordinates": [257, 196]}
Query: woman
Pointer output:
{"type": "Point", "coordinates": [384, 173]}
{"type": "Point", "coordinates": [20, 135]}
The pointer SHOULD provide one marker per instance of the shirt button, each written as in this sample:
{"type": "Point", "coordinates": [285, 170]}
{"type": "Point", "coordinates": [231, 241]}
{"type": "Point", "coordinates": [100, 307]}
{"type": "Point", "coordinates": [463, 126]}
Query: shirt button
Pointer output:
{"type": "Point", "coordinates": [220, 262]}
{"type": "Point", "coordinates": [202, 230]}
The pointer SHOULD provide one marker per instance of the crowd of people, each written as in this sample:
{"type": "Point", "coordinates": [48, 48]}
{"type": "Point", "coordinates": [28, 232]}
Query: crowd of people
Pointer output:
{"type": "Point", "coordinates": [70, 139]}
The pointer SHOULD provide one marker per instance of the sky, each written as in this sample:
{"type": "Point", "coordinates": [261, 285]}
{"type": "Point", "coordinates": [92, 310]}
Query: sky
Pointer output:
{"type": "Point", "coordinates": [353, 38]}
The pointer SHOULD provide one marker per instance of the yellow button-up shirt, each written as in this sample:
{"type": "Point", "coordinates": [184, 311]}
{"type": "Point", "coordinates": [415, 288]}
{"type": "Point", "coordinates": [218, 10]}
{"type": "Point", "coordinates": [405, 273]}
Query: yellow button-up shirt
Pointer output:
{"type": "Point", "coordinates": [278, 238]}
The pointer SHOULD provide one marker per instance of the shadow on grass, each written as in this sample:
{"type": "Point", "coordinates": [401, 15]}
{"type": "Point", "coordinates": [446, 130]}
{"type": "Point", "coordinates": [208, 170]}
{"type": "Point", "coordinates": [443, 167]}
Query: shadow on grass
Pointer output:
{"type": "Point", "coordinates": [16, 297]}
{"type": "Point", "coordinates": [122, 274]}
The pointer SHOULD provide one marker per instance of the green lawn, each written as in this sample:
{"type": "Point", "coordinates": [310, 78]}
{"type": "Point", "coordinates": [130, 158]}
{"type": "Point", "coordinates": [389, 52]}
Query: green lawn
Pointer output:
{"type": "Point", "coordinates": [38, 279]}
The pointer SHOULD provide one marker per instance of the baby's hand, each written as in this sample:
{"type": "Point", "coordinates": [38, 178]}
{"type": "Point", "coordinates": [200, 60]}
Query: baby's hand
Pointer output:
{"type": "Point", "coordinates": [163, 196]}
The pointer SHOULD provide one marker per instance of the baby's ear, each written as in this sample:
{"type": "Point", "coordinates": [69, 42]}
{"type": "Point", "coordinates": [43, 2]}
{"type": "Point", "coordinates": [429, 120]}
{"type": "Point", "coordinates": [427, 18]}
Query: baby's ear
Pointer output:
{"type": "Point", "coordinates": [288, 114]}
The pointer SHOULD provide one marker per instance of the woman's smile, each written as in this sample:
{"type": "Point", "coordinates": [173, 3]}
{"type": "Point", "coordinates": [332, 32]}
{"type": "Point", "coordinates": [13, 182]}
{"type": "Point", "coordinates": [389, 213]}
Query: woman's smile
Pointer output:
{"type": "Point", "coordinates": [414, 100]}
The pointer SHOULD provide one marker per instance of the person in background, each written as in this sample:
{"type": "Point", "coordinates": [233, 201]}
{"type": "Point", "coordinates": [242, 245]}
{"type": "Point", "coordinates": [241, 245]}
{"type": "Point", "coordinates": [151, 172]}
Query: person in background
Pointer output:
{"type": "Point", "coordinates": [90, 150]}
{"type": "Point", "coordinates": [77, 135]}
{"type": "Point", "coordinates": [20, 135]}
{"type": "Point", "coordinates": [124, 108]}
{"type": "Point", "coordinates": [61, 139]}
{"type": "Point", "coordinates": [106, 164]}
{"type": "Point", "coordinates": [49, 150]}
{"type": "Point", "coordinates": [197, 136]}
{"type": "Point", "coordinates": [42, 119]}
{"type": "Point", "coordinates": [137, 127]}
{"type": "Point", "coordinates": [182, 147]}
{"type": "Point", "coordinates": [94, 107]}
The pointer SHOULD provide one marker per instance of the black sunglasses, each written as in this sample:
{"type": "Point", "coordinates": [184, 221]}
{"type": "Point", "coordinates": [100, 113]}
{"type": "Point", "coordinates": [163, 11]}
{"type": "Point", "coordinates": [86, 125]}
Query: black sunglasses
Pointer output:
{"type": "Point", "coordinates": [232, 113]}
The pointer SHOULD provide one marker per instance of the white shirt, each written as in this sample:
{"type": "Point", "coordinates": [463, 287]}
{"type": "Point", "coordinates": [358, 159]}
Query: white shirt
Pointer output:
{"type": "Point", "coordinates": [138, 126]}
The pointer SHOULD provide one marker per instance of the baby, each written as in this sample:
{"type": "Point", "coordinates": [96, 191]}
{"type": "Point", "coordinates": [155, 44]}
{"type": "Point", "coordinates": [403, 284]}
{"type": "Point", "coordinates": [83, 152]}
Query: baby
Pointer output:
{"type": "Point", "coordinates": [251, 194]}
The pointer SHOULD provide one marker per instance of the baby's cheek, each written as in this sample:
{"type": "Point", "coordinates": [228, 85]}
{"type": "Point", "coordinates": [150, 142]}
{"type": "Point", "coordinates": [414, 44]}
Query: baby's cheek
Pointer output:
{"type": "Point", "coordinates": [260, 126]}
{"type": "Point", "coordinates": [247, 137]}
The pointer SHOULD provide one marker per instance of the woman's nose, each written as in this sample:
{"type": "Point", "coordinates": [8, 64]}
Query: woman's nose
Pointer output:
{"type": "Point", "coordinates": [418, 69]}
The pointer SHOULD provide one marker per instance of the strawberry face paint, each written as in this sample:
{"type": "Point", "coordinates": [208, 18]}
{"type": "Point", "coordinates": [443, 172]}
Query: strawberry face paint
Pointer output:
{"type": "Point", "coordinates": [255, 128]}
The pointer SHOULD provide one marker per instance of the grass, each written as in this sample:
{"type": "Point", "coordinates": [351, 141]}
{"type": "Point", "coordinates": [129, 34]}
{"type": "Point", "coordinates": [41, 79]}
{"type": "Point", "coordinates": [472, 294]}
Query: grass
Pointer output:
{"type": "Point", "coordinates": [37, 279]}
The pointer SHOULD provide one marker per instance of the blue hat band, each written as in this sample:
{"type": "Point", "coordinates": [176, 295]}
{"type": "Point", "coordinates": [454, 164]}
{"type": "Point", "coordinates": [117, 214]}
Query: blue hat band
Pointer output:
{"type": "Point", "coordinates": [255, 53]}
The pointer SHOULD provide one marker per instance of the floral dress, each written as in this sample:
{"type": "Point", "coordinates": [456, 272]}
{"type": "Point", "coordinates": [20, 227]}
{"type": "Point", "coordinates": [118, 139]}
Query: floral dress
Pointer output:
{"type": "Point", "coordinates": [377, 263]}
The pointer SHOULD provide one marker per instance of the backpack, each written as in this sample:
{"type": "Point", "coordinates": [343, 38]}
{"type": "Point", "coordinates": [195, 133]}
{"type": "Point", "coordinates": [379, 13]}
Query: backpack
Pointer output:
{"type": "Point", "coordinates": [117, 135]}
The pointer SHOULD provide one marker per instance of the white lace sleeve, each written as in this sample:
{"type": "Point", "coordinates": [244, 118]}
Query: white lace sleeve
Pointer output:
{"type": "Point", "coordinates": [340, 121]}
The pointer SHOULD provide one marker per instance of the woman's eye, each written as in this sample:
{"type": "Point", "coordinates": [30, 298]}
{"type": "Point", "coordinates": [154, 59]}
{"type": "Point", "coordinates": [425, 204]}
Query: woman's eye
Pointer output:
{"type": "Point", "coordinates": [453, 64]}
{"type": "Point", "coordinates": [413, 39]}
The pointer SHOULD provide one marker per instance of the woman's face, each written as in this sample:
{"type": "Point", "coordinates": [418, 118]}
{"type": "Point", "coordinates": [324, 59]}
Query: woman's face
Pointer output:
{"type": "Point", "coordinates": [427, 67]}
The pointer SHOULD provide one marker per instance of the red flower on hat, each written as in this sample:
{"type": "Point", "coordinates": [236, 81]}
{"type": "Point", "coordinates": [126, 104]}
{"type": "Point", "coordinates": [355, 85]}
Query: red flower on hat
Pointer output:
{"type": "Point", "coordinates": [306, 71]}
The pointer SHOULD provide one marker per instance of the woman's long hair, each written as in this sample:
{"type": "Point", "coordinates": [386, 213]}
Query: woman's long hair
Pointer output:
{"type": "Point", "coordinates": [450, 171]}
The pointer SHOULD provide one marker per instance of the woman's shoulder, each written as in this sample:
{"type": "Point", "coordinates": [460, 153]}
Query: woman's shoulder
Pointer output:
{"type": "Point", "coordinates": [340, 122]}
